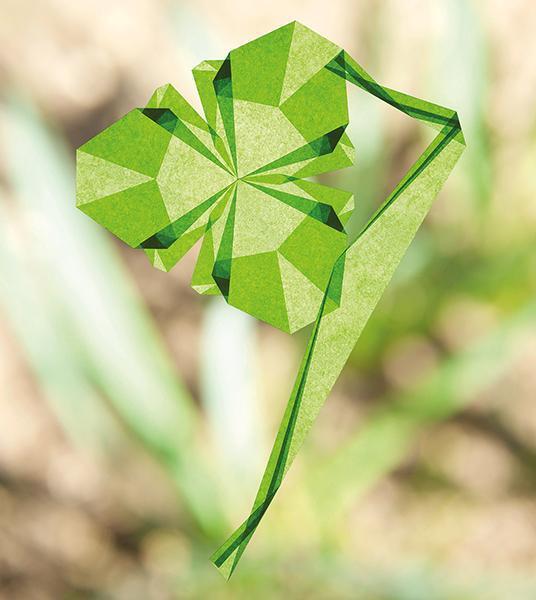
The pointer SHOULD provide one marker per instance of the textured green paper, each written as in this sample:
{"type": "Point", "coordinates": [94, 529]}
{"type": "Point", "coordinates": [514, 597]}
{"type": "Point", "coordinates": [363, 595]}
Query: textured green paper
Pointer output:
{"type": "Point", "coordinates": [274, 243]}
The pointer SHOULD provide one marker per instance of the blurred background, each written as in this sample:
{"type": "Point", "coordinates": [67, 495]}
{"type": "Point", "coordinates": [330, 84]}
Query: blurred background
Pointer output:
{"type": "Point", "coordinates": [136, 416]}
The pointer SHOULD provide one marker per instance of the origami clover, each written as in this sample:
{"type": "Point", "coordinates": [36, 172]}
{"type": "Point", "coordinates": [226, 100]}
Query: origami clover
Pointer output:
{"type": "Point", "coordinates": [274, 243]}
{"type": "Point", "coordinates": [161, 177]}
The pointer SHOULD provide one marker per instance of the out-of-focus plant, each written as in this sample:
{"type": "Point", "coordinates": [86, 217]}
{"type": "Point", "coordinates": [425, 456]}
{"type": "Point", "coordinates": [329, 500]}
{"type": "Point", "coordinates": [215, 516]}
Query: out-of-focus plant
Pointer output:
{"type": "Point", "coordinates": [385, 440]}
{"type": "Point", "coordinates": [96, 356]}
{"type": "Point", "coordinates": [87, 335]}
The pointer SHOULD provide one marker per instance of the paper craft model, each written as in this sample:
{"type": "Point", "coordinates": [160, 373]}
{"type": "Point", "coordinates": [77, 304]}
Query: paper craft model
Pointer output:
{"type": "Point", "coordinates": [274, 243]}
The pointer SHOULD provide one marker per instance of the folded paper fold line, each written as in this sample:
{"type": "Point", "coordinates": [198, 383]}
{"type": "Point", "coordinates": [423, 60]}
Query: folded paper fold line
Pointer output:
{"type": "Point", "coordinates": [274, 243]}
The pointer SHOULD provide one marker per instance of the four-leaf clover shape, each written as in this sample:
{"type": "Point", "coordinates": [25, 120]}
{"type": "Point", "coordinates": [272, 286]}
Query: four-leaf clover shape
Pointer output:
{"type": "Point", "coordinates": [273, 241]}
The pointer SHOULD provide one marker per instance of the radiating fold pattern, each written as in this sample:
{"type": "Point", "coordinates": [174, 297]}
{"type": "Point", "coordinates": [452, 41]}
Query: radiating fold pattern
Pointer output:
{"type": "Point", "coordinates": [273, 242]}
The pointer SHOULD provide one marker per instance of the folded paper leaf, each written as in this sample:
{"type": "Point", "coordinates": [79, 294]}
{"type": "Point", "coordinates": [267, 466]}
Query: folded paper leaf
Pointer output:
{"type": "Point", "coordinates": [274, 243]}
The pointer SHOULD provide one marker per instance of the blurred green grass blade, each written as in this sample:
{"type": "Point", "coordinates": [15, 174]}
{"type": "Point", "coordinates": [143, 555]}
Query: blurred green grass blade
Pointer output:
{"type": "Point", "coordinates": [364, 180]}
{"type": "Point", "coordinates": [98, 318]}
{"type": "Point", "coordinates": [231, 401]}
{"type": "Point", "coordinates": [461, 76]}
{"type": "Point", "coordinates": [29, 309]}
{"type": "Point", "coordinates": [190, 33]}
{"type": "Point", "coordinates": [382, 443]}
{"type": "Point", "coordinates": [98, 301]}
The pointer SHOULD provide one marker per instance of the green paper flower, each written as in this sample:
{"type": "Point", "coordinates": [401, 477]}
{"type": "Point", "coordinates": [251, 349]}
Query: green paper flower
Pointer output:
{"type": "Point", "coordinates": [274, 243]}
